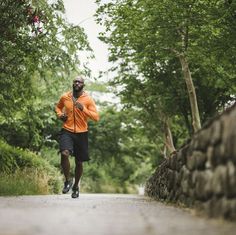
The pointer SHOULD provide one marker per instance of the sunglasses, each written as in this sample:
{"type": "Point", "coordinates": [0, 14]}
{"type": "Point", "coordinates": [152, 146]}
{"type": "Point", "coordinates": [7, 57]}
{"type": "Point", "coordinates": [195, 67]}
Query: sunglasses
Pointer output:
{"type": "Point", "coordinates": [78, 81]}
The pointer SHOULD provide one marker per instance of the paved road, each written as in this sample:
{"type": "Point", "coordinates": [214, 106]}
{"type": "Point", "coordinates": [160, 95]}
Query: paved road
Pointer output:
{"type": "Point", "coordinates": [101, 214]}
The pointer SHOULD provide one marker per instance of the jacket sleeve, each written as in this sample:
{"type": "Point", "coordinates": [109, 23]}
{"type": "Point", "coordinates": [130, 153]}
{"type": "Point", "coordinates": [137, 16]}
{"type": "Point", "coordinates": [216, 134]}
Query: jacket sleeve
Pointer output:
{"type": "Point", "coordinates": [91, 110]}
{"type": "Point", "coordinates": [59, 107]}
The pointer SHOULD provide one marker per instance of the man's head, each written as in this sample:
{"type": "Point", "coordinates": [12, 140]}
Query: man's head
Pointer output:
{"type": "Point", "coordinates": [78, 84]}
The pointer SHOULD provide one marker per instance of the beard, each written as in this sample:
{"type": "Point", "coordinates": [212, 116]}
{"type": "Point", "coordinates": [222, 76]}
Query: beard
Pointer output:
{"type": "Point", "coordinates": [77, 89]}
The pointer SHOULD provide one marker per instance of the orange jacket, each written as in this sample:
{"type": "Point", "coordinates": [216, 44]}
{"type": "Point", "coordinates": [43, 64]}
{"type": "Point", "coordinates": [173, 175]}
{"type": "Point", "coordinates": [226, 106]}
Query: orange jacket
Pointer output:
{"type": "Point", "coordinates": [77, 120]}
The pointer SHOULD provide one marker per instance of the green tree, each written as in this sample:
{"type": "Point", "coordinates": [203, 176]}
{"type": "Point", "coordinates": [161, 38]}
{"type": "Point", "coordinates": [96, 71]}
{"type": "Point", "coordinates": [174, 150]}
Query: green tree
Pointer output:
{"type": "Point", "coordinates": [156, 43]}
{"type": "Point", "coordinates": [39, 49]}
{"type": "Point", "coordinates": [118, 148]}
{"type": "Point", "coordinates": [146, 35]}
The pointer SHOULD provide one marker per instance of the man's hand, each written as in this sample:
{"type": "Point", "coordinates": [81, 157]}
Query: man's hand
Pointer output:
{"type": "Point", "coordinates": [63, 117]}
{"type": "Point", "coordinates": [79, 106]}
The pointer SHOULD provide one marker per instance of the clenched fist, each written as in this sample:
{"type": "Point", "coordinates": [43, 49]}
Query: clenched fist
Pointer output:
{"type": "Point", "coordinates": [63, 117]}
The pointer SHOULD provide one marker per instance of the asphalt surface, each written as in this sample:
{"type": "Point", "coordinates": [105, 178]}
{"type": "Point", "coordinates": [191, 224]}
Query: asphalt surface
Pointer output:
{"type": "Point", "coordinates": [102, 214]}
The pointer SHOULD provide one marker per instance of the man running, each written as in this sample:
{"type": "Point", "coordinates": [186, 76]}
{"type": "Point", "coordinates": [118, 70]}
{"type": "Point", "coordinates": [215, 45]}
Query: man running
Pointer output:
{"type": "Point", "coordinates": [74, 109]}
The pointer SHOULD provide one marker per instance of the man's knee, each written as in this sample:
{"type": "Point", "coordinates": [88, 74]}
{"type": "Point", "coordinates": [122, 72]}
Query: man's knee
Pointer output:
{"type": "Point", "coordinates": [65, 153]}
{"type": "Point", "coordinates": [78, 162]}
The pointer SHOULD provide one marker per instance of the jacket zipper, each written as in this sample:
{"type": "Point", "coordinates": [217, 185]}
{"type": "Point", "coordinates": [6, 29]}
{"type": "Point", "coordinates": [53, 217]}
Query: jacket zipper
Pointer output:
{"type": "Point", "coordinates": [74, 114]}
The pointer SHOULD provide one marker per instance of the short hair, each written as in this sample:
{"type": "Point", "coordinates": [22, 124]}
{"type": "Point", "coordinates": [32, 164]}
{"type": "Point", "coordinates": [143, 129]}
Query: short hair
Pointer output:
{"type": "Point", "coordinates": [79, 77]}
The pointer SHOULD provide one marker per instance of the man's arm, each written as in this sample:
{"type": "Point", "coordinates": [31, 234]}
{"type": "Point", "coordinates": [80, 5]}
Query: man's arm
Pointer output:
{"type": "Point", "coordinates": [59, 110]}
{"type": "Point", "coordinates": [91, 110]}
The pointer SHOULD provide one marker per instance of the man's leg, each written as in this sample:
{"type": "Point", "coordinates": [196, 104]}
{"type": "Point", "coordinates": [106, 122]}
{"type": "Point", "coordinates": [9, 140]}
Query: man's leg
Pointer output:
{"type": "Point", "coordinates": [78, 174]}
{"type": "Point", "coordinates": [65, 165]}
{"type": "Point", "coordinates": [81, 154]}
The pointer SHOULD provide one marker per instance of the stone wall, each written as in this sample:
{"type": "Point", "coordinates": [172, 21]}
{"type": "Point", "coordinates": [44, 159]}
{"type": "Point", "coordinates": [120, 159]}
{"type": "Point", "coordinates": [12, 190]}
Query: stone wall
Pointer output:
{"type": "Point", "coordinates": [202, 174]}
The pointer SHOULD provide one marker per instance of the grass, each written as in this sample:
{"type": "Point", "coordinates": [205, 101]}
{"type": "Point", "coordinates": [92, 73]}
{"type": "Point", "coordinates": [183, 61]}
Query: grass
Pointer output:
{"type": "Point", "coordinates": [24, 182]}
{"type": "Point", "coordinates": [25, 173]}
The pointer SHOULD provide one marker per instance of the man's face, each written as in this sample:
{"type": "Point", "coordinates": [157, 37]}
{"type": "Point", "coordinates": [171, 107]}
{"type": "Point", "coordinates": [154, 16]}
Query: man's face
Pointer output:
{"type": "Point", "coordinates": [78, 84]}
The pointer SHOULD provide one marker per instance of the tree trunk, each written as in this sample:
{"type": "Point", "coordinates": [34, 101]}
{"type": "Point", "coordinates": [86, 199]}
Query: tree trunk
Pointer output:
{"type": "Point", "coordinates": [168, 138]}
{"type": "Point", "coordinates": [196, 122]}
{"type": "Point", "coordinates": [165, 152]}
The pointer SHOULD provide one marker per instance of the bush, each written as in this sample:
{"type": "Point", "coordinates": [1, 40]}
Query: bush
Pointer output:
{"type": "Point", "coordinates": [18, 165]}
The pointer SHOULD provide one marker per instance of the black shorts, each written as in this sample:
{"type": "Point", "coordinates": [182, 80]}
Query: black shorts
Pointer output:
{"type": "Point", "coordinates": [76, 143]}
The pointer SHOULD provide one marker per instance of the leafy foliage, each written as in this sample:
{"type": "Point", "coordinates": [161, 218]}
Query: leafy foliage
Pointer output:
{"type": "Point", "coordinates": [119, 148]}
{"type": "Point", "coordinates": [15, 159]}
{"type": "Point", "coordinates": [38, 51]}
{"type": "Point", "coordinates": [146, 41]}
